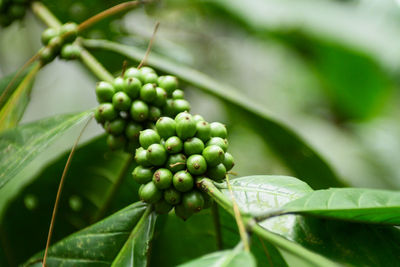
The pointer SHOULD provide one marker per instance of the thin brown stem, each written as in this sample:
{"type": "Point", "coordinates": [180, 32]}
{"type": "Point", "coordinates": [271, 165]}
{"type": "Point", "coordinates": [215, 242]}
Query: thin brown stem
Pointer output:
{"type": "Point", "coordinates": [176, 164]}
{"type": "Point", "coordinates": [146, 55]}
{"type": "Point", "coordinates": [60, 187]}
{"type": "Point", "coordinates": [266, 251]}
{"type": "Point", "coordinates": [124, 66]}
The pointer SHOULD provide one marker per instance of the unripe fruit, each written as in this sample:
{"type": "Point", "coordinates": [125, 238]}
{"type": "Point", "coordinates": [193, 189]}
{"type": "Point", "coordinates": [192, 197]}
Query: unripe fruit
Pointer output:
{"type": "Point", "coordinates": [173, 145]}
{"type": "Point", "coordinates": [120, 84]}
{"type": "Point", "coordinates": [70, 51]}
{"type": "Point", "coordinates": [150, 78]}
{"type": "Point", "coordinates": [198, 118]}
{"type": "Point", "coordinates": [196, 164]}
{"type": "Point", "coordinates": [183, 181]}
{"type": "Point", "coordinates": [203, 130]}
{"type": "Point", "coordinates": [105, 91]}
{"type": "Point", "coordinates": [172, 196]}
{"type": "Point", "coordinates": [121, 101]}
{"type": "Point", "coordinates": [168, 109]}
{"type": "Point", "coordinates": [213, 155]}
{"type": "Point", "coordinates": [142, 175]}
{"type": "Point", "coordinates": [228, 161]}
{"type": "Point", "coordinates": [162, 178]}
{"type": "Point", "coordinates": [116, 126]}
{"type": "Point", "coordinates": [176, 162]}
{"type": "Point", "coordinates": [107, 111]}
{"type": "Point", "coordinates": [193, 146]}
{"type": "Point", "coordinates": [156, 154]}
{"type": "Point", "coordinates": [166, 127]}
{"type": "Point", "coordinates": [148, 92]}
{"type": "Point", "coordinates": [98, 116]}
{"type": "Point", "coordinates": [143, 71]}
{"type": "Point", "coordinates": [186, 127]}
{"type": "Point", "coordinates": [218, 130]}
{"type": "Point", "coordinates": [168, 83]}
{"type": "Point", "coordinates": [193, 201]}
{"type": "Point", "coordinates": [141, 157]}
{"type": "Point", "coordinates": [148, 137]}
{"type": "Point", "coordinates": [183, 115]}
{"type": "Point", "coordinates": [69, 31]}
{"type": "Point", "coordinates": [178, 94]}
{"type": "Point", "coordinates": [132, 88]}
{"type": "Point", "coordinates": [217, 172]}
{"type": "Point", "coordinates": [55, 43]}
{"type": "Point", "coordinates": [154, 113]}
{"type": "Point", "coordinates": [150, 193]}
{"type": "Point", "coordinates": [48, 34]}
{"type": "Point", "coordinates": [132, 130]}
{"type": "Point", "coordinates": [181, 105]}
{"type": "Point", "coordinates": [132, 73]}
{"type": "Point", "coordinates": [161, 97]}
{"type": "Point", "coordinates": [116, 142]}
{"type": "Point", "coordinates": [182, 212]}
{"type": "Point", "coordinates": [139, 110]}
{"type": "Point", "coordinates": [218, 141]}
{"type": "Point", "coordinates": [47, 55]}
{"type": "Point", "coordinates": [162, 207]}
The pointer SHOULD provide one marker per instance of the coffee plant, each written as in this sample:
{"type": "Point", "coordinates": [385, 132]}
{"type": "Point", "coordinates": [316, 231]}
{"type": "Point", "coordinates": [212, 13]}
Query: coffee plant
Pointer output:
{"type": "Point", "coordinates": [180, 168]}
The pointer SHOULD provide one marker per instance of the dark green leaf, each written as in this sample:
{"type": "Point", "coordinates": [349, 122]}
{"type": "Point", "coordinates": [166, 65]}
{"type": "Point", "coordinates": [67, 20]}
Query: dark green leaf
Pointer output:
{"type": "Point", "coordinates": [353, 204]}
{"type": "Point", "coordinates": [97, 245]}
{"type": "Point", "coordinates": [296, 154]}
{"type": "Point", "coordinates": [21, 145]}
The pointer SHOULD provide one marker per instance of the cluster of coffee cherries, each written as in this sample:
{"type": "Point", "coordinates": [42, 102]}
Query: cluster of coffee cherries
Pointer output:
{"type": "Point", "coordinates": [134, 102]}
{"type": "Point", "coordinates": [174, 155]}
{"type": "Point", "coordinates": [60, 41]}
{"type": "Point", "coordinates": [11, 10]}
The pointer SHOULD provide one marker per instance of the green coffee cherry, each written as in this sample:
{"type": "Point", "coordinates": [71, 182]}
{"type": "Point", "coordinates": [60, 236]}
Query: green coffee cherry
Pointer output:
{"type": "Point", "coordinates": [182, 212]}
{"type": "Point", "coordinates": [193, 146]}
{"type": "Point", "coordinates": [156, 154]}
{"type": "Point", "coordinates": [150, 78]}
{"type": "Point", "coordinates": [186, 127]}
{"type": "Point", "coordinates": [116, 126]}
{"type": "Point", "coordinates": [154, 113]}
{"type": "Point", "coordinates": [193, 201]}
{"type": "Point", "coordinates": [168, 83]}
{"type": "Point", "coordinates": [162, 178]}
{"type": "Point", "coordinates": [56, 43]}
{"type": "Point", "coordinates": [150, 193]}
{"type": "Point", "coordinates": [181, 105]}
{"type": "Point", "coordinates": [183, 181]}
{"type": "Point", "coordinates": [183, 115]}
{"type": "Point", "coordinates": [107, 111]}
{"type": "Point", "coordinates": [69, 31]}
{"type": "Point", "coordinates": [121, 101]}
{"type": "Point", "coordinates": [228, 161]}
{"type": "Point", "coordinates": [172, 196]}
{"type": "Point", "coordinates": [196, 164]}
{"type": "Point", "coordinates": [162, 207]}
{"type": "Point", "coordinates": [203, 131]}
{"type": "Point", "coordinates": [148, 92]}
{"type": "Point", "coordinates": [218, 130]}
{"type": "Point", "coordinates": [178, 94]}
{"type": "Point", "coordinates": [141, 157]}
{"type": "Point", "coordinates": [139, 110]}
{"type": "Point", "coordinates": [132, 88]}
{"type": "Point", "coordinates": [143, 71]}
{"type": "Point", "coordinates": [132, 73]}
{"type": "Point", "coordinates": [213, 155]}
{"type": "Point", "coordinates": [142, 175]}
{"type": "Point", "coordinates": [161, 97]}
{"type": "Point", "coordinates": [168, 109]}
{"type": "Point", "coordinates": [120, 84]}
{"type": "Point", "coordinates": [173, 145]}
{"type": "Point", "coordinates": [48, 34]}
{"type": "Point", "coordinates": [116, 142]}
{"type": "Point", "coordinates": [176, 162]}
{"type": "Point", "coordinates": [47, 55]}
{"type": "Point", "coordinates": [218, 141]}
{"type": "Point", "coordinates": [70, 51]}
{"type": "Point", "coordinates": [105, 91]}
{"type": "Point", "coordinates": [98, 116]}
{"type": "Point", "coordinates": [166, 127]}
{"type": "Point", "coordinates": [217, 172]}
{"type": "Point", "coordinates": [132, 130]}
{"type": "Point", "coordinates": [148, 137]}
{"type": "Point", "coordinates": [198, 118]}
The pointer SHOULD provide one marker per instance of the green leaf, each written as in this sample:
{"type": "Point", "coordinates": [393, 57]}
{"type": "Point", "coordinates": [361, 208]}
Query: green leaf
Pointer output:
{"type": "Point", "coordinates": [21, 145]}
{"type": "Point", "coordinates": [225, 258]}
{"type": "Point", "coordinates": [352, 204]}
{"type": "Point", "coordinates": [136, 249]}
{"type": "Point", "coordinates": [97, 245]}
{"type": "Point", "coordinates": [293, 151]}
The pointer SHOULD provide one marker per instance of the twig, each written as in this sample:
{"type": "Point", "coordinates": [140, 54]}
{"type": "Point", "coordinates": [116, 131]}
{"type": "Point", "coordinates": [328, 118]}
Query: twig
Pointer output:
{"type": "Point", "coordinates": [149, 46]}
{"type": "Point", "coordinates": [60, 186]}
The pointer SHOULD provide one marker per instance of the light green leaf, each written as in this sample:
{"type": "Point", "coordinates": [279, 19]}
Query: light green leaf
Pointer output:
{"type": "Point", "coordinates": [97, 245]}
{"type": "Point", "coordinates": [21, 145]}
{"type": "Point", "coordinates": [293, 151]}
{"type": "Point", "coordinates": [226, 258]}
{"type": "Point", "coordinates": [352, 204]}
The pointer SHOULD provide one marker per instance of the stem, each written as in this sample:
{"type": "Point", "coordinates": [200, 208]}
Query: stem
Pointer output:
{"type": "Point", "coordinates": [45, 15]}
{"type": "Point", "coordinates": [207, 186]}
{"type": "Point", "coordinates": [217, 225]}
